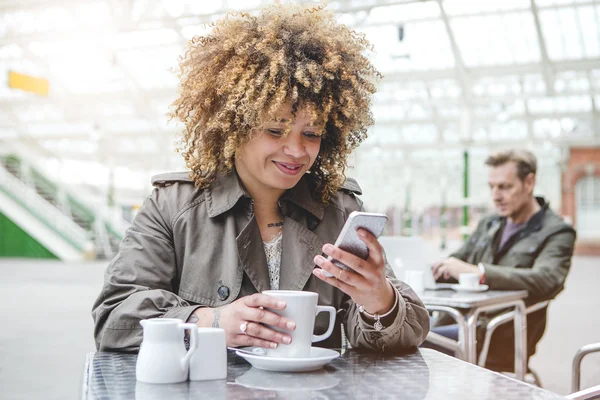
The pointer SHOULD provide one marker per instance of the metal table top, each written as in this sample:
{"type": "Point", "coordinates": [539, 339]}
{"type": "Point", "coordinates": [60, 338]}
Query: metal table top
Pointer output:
{"type": "Point", "coordinates": [424, 374]}
{"type": "Point", "coordinates": [451, 298]}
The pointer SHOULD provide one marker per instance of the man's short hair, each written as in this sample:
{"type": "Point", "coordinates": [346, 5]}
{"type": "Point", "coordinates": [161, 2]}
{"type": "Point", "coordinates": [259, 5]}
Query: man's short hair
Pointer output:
{"type": "Point", "coordinates": [525, 160]}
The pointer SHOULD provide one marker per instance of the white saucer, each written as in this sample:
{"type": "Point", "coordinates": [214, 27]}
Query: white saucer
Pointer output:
{"type": "Point", "coordinates": [319, 357]}
{"type": "Point", "coordinates": [480, 288]}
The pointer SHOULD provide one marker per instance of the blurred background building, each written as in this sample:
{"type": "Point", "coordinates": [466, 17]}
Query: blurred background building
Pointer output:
{"type": "Point", "coordinates": [85, 87]}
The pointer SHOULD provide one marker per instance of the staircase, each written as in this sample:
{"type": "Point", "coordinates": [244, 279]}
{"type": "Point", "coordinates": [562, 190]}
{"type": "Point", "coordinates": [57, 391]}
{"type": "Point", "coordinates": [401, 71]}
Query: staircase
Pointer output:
{"type": "Point", "coordinates": [91, 230]}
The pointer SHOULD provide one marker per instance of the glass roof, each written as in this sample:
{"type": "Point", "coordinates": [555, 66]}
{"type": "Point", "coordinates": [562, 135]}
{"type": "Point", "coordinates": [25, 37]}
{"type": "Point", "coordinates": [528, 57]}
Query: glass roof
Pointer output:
{"type": "Point", "coordinates": [477, 75]}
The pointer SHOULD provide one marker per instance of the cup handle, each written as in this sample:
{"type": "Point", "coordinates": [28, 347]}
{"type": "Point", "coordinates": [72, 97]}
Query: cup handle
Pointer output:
{"type": "Point", "coordinates": [332, 312]}
{"type": "Point", "coordinates": [193, 328]}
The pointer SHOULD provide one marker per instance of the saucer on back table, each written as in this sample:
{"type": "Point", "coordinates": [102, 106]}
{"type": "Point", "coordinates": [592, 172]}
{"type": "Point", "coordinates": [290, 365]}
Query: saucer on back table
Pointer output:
{"type": "Point", "coordinates": [480, 288]}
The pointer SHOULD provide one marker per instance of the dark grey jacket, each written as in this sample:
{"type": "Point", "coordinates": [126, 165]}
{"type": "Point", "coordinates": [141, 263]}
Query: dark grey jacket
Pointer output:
{"type": "Point", "coordinates": [188, 248]}
{"type": "Point", "coordinates": [536, 259]}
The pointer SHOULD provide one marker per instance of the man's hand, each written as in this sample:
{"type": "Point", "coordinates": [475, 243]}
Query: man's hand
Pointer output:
{"type": "Point", "coordinates": [452, 267]}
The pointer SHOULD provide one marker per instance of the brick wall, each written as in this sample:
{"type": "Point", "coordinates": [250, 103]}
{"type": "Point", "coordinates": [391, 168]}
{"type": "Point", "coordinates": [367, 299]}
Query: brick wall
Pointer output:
{"type": "Point", "coordinates": [583, 161]}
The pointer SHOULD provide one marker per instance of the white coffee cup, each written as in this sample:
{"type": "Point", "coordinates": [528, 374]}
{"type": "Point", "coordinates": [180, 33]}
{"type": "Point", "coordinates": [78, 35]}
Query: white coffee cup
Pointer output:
{"type": "Point", "coordinates": [469, 280]}
{"type": "Point", "coordinates": [416, 280]}
{"type": "Point", "coordinates": [301, 307]}
{"type": "Point", "coordinates": [210, 359]}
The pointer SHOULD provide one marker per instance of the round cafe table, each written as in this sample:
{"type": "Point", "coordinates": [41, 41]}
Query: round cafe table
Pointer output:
{"type": "Point", "coordinates": [420, 374]}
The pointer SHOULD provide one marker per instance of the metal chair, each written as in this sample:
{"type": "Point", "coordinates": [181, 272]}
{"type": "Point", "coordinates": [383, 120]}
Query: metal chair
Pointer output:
{"type": "Point", "coordinates": [576, 369]}
{"type": "Point", "coordinates": [586, 394]}
{"type": "Point", "coordinates": [503, 319]}
{"type": "Point", "coordinates": [456, 346]}
{"type": "Point", "coordinates": [500, 320]}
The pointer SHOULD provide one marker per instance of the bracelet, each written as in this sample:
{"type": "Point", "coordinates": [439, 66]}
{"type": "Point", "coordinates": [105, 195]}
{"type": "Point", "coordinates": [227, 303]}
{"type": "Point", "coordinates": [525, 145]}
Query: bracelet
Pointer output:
{"type": "Point", "coordinates": [378, 325]}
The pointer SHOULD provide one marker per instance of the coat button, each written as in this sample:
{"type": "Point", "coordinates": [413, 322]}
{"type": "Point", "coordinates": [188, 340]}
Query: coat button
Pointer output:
{"type": "Point", "coordinates": [223, 292]}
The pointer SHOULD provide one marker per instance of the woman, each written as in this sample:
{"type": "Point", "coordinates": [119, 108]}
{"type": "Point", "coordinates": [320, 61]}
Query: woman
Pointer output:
{"type": "Point", "coordinates": [272, 106]}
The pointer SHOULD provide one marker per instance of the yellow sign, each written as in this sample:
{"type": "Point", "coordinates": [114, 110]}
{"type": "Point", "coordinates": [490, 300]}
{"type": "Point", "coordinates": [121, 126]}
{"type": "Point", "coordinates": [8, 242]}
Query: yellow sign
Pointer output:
{"type": "Point", "coordinates": [28, 83]}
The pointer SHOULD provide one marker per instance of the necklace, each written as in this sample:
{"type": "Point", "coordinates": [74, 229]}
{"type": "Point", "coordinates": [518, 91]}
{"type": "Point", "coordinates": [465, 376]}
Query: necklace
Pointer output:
{"type": "Point", "coordinates": [275, 224]}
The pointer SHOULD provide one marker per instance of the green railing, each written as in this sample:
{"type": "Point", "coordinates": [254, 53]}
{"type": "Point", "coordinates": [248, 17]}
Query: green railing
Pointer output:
{"type": "Point", "coordinates": [79, 245]}
{"type": "Point", "coordinates": [83, 215]}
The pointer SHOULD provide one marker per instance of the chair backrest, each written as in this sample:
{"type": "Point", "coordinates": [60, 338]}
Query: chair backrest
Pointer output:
{"type": "Point", "coordinates": [586, 394]}
{"type": "Point", "coordinates": [577, 359]}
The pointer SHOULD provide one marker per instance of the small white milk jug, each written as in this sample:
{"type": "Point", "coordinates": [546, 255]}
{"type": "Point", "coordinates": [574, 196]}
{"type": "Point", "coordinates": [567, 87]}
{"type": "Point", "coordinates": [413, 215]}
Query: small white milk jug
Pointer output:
{"type": "Point", "coordinates": [162, 357]}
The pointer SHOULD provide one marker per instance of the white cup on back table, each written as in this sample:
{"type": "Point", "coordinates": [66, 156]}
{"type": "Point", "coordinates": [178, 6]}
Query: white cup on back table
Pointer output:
{"type": "Point", "coordinates": [416, 280]}
{"type": "Point", "coordinates": [469, 280]}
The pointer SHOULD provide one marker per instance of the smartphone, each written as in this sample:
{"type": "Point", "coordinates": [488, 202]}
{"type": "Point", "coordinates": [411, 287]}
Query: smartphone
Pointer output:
{"type": "Point", "coordinates": [348, 239]}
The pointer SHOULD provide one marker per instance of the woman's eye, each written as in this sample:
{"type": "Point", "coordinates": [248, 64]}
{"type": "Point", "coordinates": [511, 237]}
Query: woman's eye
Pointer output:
{"type": "Point", "coordinates": [311, 135]}
{"type": "Point", "coordinates": [275, 132]}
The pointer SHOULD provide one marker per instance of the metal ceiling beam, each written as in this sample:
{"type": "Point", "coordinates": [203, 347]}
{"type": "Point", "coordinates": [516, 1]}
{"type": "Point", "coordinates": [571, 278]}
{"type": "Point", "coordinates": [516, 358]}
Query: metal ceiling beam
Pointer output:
{"type": "Point", "coordinates": [35, 5]}
{"type": "Point", "coordinates": [84, 136]}
{"type": "Point", "coordinates": [87, 98]}
{"type": "Point", "coordinates": [486, 99]}
{"type": "Point", "coordinates": [166, 137]}
{"type": "Point", "coordinates": [584, 116]}
{"type": "Point", "coordinates": [29, 5]}
{"type": "Point", "coordinates": [136, 160]}
{"type": "Point", "coordinates": [476, 72]}
{"type": "Point", "coordinates": [478, 143]}
{"type": "Point", "coordinates": [528, 117]}
{"type": "Point", "coordinates": [171, 135]}
{"type": "Point", "coordinates": [483, 14]}
{"type": "Point", "coordinates": [547, 69]}
{"type": "Point", "coordinates": [379, 123]}
{"type": "Point", "coordinates": [493, 71]}
{"type": "Point", "coordinates": [87, 115]}
{"type": "Point", "coordinates": [437, 121]}
{"type": "Point", "coordinates": [460, 69]}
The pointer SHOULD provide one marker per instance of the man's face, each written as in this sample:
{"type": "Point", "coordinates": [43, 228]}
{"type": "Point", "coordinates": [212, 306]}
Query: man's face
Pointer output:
{"type": "Point", "coordinates": [509, 193]}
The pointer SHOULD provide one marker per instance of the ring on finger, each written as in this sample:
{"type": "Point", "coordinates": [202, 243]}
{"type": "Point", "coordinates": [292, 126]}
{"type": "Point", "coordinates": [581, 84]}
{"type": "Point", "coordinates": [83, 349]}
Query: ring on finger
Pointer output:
{"type": "Point", "coordinates": [243, 327]}
{"type": "Point", "coordinates": [339, 277]}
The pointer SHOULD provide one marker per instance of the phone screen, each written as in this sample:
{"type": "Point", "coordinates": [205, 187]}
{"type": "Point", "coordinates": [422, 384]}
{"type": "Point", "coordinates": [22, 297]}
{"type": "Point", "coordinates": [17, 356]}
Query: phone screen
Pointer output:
{"type": "Point", "coordinates": [348, 239]}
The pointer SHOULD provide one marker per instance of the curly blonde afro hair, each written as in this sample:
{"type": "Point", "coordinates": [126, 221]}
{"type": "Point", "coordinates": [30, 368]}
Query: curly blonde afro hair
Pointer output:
{"type": "Point", "coordinates": [239, 75]}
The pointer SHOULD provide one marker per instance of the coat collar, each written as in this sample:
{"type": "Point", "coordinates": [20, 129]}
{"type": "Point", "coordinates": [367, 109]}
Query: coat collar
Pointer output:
{"type": "Point", "coordinates": [224, 193]}
{"type": "Point", "coordinates": [228, 189]}
{"type": "Point", "coordinates": [301, 196]}
{"type": "Point", "coordinates": [533, 224]}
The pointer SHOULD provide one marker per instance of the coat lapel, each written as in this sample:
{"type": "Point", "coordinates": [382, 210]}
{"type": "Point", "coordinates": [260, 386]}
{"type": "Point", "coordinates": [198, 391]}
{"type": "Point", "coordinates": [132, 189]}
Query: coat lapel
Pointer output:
{"type": "Point", "coordinates": [300, 246]}
{"type": "Point", "coordinates": [252, 256]}
{"type": "Point", "coordinates": [488, 248]}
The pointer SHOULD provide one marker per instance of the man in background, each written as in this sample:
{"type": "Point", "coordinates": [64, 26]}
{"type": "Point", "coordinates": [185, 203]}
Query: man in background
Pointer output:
{"type": "Point", "coordinates": [525, 246]}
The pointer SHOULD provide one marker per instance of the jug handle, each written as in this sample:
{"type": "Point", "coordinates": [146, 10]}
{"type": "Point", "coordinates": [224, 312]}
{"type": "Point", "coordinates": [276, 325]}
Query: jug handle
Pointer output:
{"type": "Point", "coordinates": [185, 362]}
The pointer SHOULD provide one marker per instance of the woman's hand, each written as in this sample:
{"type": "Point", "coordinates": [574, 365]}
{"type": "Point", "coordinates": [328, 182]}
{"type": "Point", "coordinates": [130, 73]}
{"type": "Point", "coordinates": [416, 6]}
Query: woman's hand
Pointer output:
{"type": "Point", "coordinates": [366, 284]}
{"type": "Point", "coordinates": [252, 311]}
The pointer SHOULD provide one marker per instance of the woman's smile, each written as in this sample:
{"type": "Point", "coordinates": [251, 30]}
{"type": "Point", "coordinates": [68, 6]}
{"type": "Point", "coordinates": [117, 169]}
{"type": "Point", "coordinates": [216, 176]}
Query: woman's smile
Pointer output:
{"type": "Point", "coordinates": [289, 168]}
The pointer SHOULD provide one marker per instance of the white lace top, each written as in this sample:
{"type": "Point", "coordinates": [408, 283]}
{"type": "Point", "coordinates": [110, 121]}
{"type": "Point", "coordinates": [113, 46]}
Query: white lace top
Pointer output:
{"type": "Point", "coordinates": [273, 250]}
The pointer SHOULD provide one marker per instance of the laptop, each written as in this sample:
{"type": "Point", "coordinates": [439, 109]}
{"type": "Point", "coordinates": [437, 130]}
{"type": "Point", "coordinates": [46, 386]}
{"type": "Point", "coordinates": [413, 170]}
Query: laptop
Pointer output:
{"type": "Point", "coordinates": [411, 253]}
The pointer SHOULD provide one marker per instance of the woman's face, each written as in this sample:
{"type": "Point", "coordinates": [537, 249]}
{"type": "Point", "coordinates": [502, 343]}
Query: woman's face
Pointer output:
{"type": "Point", "coordinates": [273, 162]}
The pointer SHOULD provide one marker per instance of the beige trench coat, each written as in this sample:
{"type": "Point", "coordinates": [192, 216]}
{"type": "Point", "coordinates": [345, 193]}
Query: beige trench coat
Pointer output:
{"type": "Point", "coordinates": [189, 248]}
